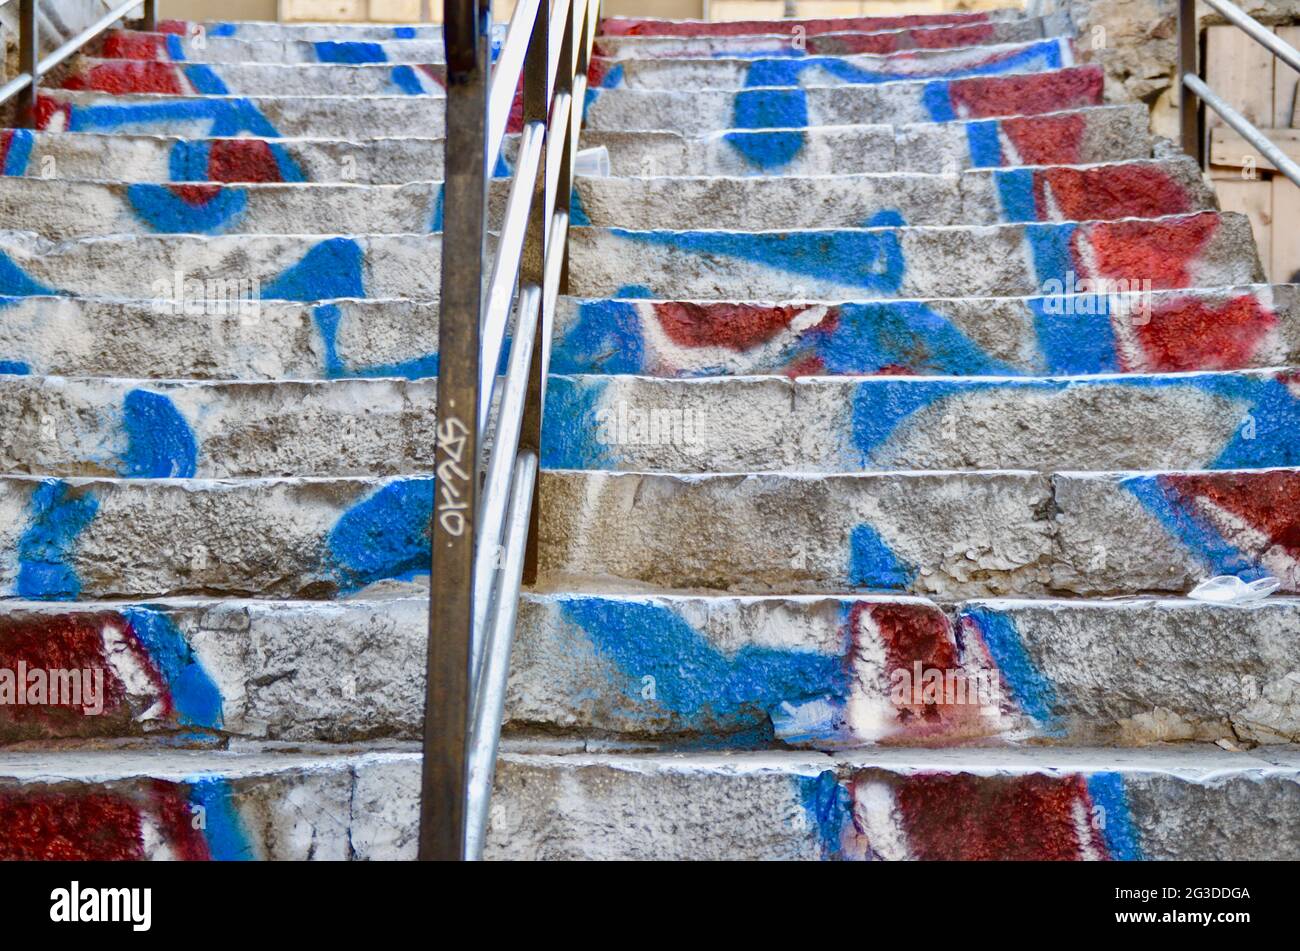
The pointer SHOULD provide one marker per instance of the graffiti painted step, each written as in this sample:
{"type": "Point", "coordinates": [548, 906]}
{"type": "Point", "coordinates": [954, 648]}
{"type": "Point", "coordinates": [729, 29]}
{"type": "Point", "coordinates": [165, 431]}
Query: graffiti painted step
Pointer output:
{"type": "Point", "coordinates": [96, 804]}
{"type": "Point", "coordinates": [166, 159]}
{"type": "Point", "coordinates": [1089, 136]}
{"type": "Point", "coordinates": [214, 116]}
{"type": "Point", "coordinates": [1229, 328]}
{"type": "Point", "coordinates": [270, 30]}
{"type": "Point", "coordinates": [123, 76]}
{"type": "Point", "coordinates": [860, 69]}
{"type": "Point", "coordinates": [215, 48]}
{"type": "Point", "coordinates": [828, 672]}
{"type": "Point", "coordinates": [178, 271]}
{"type": "Point", "coordinates": [697, 112]}
{"type": "Point", "coordinates": [791, 42]}
{"type": "Point", "coordinates": [773, 424]}
{"type": "Point", "coordinates": [158, 430]}
{"type": "Point", "coordinates": [254, 339]}
{"type": "Point", "coordinates": [951, 535]}
{"type": "Point", "coordinates": [1148, 189]}
{"type": "Point", "coordinates": [650, 26]}
{"type": "Point", "coordinates": [214, 669]}
{"type": "Point", "coordinates": [885, 260]}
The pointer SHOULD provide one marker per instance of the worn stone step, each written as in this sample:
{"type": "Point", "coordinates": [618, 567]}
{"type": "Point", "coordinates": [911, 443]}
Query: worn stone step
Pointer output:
{"type": "Point", "coordinates": [63, 110]}
{"type": "Point", "coordinates": [1076, 803]}
{"type": "Point", "coordinates": [652, 26]}
{"type": "Point", "coordinates": [124, 76]}
{"type": "Point", "coordinates": [1096, 331]}
{"type": "Point", "coordinates": [160, 430]}
{"type": "Point", "coordinates": [74, 209]}
{"type": "Point", "coordinates": [951, 535]}
{"type": "Point", "coordinates": [1088, 136]}
{"type": "Point", "coordinates": [271, 30]}
{"type": "Point", "coordinates": [698, 111]}
{"type": "Point", "coordinates": [885, 260]}
{"type": "Point", "coordinates": [237, 48]}
{"type": "Point", "coordinates": [714, 72]}
{"type": "Point", "coordinates": [784, 41]}
{"type": "Point", "coordinates": [1147, 189]}
{"type": "Point", "coordinates": [222, 274]}
{"type": "Point", "coordinates": [837, 424]}
{"type": "Point", "coordinates": [843, 671]}
{"type": "Point", "coordinates": [824, 672]}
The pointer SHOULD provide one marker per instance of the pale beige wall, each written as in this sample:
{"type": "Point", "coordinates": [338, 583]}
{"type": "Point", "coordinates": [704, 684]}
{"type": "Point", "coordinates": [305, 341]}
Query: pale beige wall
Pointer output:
{"type": "Point", "coordinates": [387, 9]}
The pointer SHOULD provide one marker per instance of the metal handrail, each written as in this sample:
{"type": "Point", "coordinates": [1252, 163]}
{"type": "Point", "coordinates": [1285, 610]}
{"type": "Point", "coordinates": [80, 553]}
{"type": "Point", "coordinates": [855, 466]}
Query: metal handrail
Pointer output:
{"type": "Point", "coordinates": [1193, 87]}
{"type": "Point", "coordinates": [31, 69]}
{"type": "Point", "coordinates": [484, 531]}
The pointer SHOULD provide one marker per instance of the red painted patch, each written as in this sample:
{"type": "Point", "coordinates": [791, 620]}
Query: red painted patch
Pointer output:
{"type": "Point", "coordinates": [436, 73]}
{"type": "Point", "coordinates": [1158, 251]}
{"type": "Point", "coordinates": [960, 817]}
{"type": "Point", "coordinates": [629, 26]}
{"type": "Point", "coordinates": [195, 195]}
{"type": "Point", "coordinates": [951, 37]}
{"type": "Point", "coordinates": [734, 326]}
{"type": "Point", "coordinates": [242, 160]}
{"type": "Point", "coordinates": [46, 111]}
{"type": "Point", "coordinates": [124, 44]}
{"type": "Point", "coordinates": [129, 76]}
{"type": "Point", "coordinates": [1107, 192]}
{"type": "Point", "coordinates": [1268, 501]}
{"type": "Point", "coordinates": [1046, 140]}
{"type": "Point", "coordinates": [1191, 334]}
{"type": "Point", "coordinates": [597, 70]}
{"type": "Point", "coordinates": [180, 27]}
{"type": "Point", "coordinates": [1029, 94]}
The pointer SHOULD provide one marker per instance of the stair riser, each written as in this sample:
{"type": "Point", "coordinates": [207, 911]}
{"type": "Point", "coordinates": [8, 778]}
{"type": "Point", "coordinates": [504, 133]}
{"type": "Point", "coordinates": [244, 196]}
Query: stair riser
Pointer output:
{"type": "Point", "coordinates": [1223, 329]}
{"type": "Point", "coordinates": [132, 76]}
{"type": "Point", "coordinates": [229, 273]}
{"type": "Point", "coordinates": [836, 671]}
{"type": "Point", "coordinates": [1218, 329]}
{"type": "Point", "coordinates": [1104, 134]}
{"type": "Point", "coordinates": [633, 26]}
{"type": "Point", "coordinates": [260, 30]}
{"type": "Point", "coordinates": [857, 70]}
{"type": "Point", "coordinates": [884, 262]}
{"type": "Point", "coordinates": [544, 808]}
{"type": "Point", "coordinates": [197, 672]}
{"type": "Point", "coordinates": [698, 112]}
{"type": "Point", "coordinates": [951, 535]}
{"type": "Point", "coordinates": [125, 44]}
{"type": "Point", "coordinates": [789, 43]}
{"type": "Point", "coordinates": [216, 431]}
{"type": "Point", "coordinates": [636, 424]}
{"type": "Point", "coordinates": [62, 209]}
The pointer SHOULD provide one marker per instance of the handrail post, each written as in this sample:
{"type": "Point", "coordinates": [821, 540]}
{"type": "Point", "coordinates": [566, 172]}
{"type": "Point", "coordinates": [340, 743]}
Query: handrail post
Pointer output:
{"type": "Point", "coordinates": [149, 21]}
{"type": "Point", "coordinates": [1188, 103]}
{"type": "Point", "coordinates": [444, 777]}
{"type": "Point", "coordinates": [28, 57]}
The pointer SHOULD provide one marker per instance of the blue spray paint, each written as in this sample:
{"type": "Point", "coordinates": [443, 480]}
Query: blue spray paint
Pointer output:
{"type": "Point", "coordinates": [406, 81]}
{"type": "Point", "coordinates": [572, 425]}
{"type": "Point", "coordinates": [349, 52]}
{"type": "Point", "coordinates": [827, 805]}
{"type": "Point", "coordinates": [56, 516]}
{"type": "Point", "coordinates": [768, 152]}
{"type": "Point", "coordinates": [160, 443]}
{"type": "Point", "coordinates": [1123, 842]}
{"type": "Point", "coordinates": [385, 535]}
{"type": "Point", "coordinates": [874, 565]}
{"type": "Point", "coordinates": [1031, 690]}
{"type": "Point", "coordinates": [1181, 520]}
{"type": "Point", "coordinates": [213, 798]}
{"type": "Point", "coordinates": [984, 143]}
{"type": "Point", "coordinates": [19, 151]}
{"type": "Point", "coordinates": [331, 269]}
{"type": "Point", "coordinates": [168, 213]}
{"type": "Point", "coordinates": [194, 694]}
{"type": "Point", "coordinates": [605, 337]}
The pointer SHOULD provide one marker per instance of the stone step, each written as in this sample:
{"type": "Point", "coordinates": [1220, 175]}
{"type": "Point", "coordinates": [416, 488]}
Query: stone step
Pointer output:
{"type": "Point", "coordinates": [133, 75]}
{"type": "Point", "coordinates": [651, 26]}
{"type": "Point", "coordinates": [699, 111]}
{"type": "Point", "coordinates": [840, 424]}
{"type": "Point", "coordinates": [1230, 328]}
{"type": "Point", "coordinates": [1098, 331]}
{"type": "Point", "coordinates": [63, 110]}
{"type": "Point", "coordinates": [1143, 189]}
{"type": "Point", "coordinates": [1175, 803]}
{"type": "Point", "coordinates": [222, 274]}
{"type": "Point", "coordinates": [883, 260]}
{"type": "Point", "coordinates": [950, 535]}
{"type": "Point", "coordinates": [160, 430]}
{"type": "Point", "coordinates": [789, 42]}
{"type": "Point", "coordinates": [271, 30]}
{"type": "Point", "coordinates": [122, 76]}
{"type": "Point", "coordinates": [847, 671]}
{"type": "Point", "coordinates": [1089, 136]}
{"type": "Point", "coordinates": [824, 672]}
{"type": "Point", "coordinates": [947, 534]}
{"type": "Point", "coordinates": [863, 69]}
{"type": "Point", "coordinates": [59, 208]}
{"type": "Point", "coordinates": [227, 48]}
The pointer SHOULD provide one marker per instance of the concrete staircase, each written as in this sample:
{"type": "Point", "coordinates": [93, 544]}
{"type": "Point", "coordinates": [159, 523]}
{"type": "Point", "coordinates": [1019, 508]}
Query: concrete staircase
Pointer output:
{"type": "Point", "coordinates": [864, 521]}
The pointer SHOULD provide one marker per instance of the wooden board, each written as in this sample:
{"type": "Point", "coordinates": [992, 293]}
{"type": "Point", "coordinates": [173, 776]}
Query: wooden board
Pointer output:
{"type": "Point", "coordinates": [1229, 148]}
{"type": "Point", "coordinates": [1285, 81]}
{"type": "Point", "coordinates": [1241, 71]}
{"type": "Point", "coordinates": [1284, 256]}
